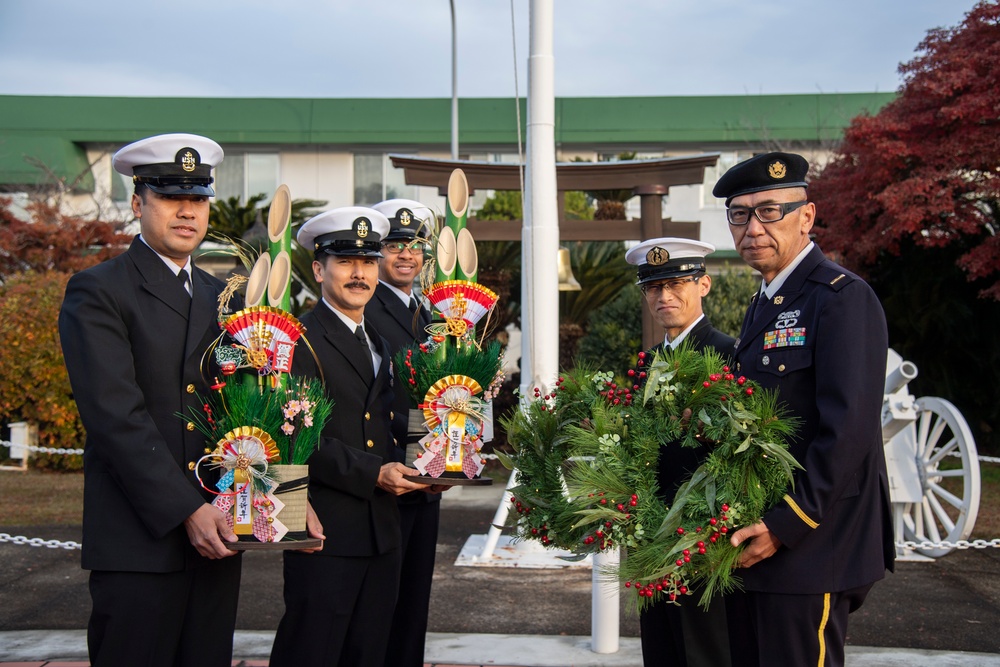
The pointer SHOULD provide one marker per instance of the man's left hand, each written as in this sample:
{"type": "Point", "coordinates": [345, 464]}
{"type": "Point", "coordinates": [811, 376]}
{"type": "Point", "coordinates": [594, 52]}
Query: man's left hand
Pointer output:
{"type": "Point", "coordinates": [762, 543]}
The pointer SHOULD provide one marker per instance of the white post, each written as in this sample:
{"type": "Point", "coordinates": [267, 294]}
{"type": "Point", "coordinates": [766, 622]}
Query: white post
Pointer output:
{"type": "Point", "coordinates": [540, 281]}
{"type": "Point", "coordinates": [604, 628]}
{"type": "Point", "coordinates": [22, 434]}
{"type": "Point", "coordinates": [454, 84]}
{"type": "Point", "coordinates": [499, 519]}
{"type": "Point", "coordinates": [540, 235]}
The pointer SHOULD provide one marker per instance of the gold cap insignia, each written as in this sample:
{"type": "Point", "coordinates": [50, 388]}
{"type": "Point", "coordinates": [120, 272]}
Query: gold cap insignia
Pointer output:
{"type": "Point", "coordinates": [188, 161]}
{"type": "Point", "coordinates": [777, 169]}
{"type": "Point", "coordinates": [657, 256]}
{"type": "Point", "coordinates": [405, 218]}
{"type": "Point", "coordinates": [361, 227]}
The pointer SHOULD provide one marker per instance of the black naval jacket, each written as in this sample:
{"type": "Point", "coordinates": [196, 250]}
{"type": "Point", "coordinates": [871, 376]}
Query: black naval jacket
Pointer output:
{"type": "Point", "coordinates": [358, 518]}
{"type": "Point", "coordinates": [396, 323]}
{"type": "Point", "coordinates": [390, 316]}
{"type": "Point", "coordinates": [676, 462]}
{"type": "Point", "coordinates": [822, 342]}
{"type": "Point", "coordinates": [134, 357]}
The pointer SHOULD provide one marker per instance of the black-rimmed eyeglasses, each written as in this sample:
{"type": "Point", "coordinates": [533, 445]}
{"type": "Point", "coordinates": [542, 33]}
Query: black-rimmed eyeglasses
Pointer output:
{"type": "Point", "coordinates": [740, 215]}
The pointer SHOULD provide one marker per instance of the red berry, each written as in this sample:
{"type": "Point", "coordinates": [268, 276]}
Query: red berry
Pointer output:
{"type": "Point", "coordinates": [725, 507]}
{"type": "Point", "coordinates": [680, 530]}
{"type": "Point", "coordinates": [680, 562]}
{"type": "Point", "coordinates": [628, 584]}
{"type": "Point", "coordinates": [631, 372]}
{"type": "Point", "coordinates": [723, 530]}
{"type": "Point", "coordinates": [604, 501]}
{"type": "Point", "coordinates": [706, 384]}
{"type": "Point", "coordinates": [713, 521]}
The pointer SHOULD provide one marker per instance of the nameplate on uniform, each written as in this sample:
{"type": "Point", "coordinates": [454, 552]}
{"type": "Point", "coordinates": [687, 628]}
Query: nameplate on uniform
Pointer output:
{"type": "Point", "coordinates": [785, 338]}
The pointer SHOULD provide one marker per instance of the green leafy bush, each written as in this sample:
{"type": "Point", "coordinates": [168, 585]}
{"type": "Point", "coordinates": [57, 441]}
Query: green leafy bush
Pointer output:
{"type": "Point", "coordinates": [34, 385]}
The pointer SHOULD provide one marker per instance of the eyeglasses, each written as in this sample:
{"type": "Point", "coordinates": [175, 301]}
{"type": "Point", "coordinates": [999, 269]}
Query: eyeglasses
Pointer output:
{"type": "Point", "coordinates": [416, 246]}
{"type": "Point", "coordinates": [653, 290]}
{"type": "Point", "coordinates": [740, 215]}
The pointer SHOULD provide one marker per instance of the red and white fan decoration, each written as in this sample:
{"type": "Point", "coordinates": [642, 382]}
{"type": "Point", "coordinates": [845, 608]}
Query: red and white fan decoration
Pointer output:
{"type": "Point", "coordinates": [461, 299]}
{"type": "Point", "coordinates": [268, 334]}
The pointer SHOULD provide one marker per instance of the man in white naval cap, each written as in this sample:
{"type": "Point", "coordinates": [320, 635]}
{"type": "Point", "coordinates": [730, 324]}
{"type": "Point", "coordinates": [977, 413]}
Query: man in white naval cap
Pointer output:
{"type": "Point", "coordinates": [398, 315]}
{"type": "Point", "coordinates": [339, 601]}
{"type": "Point", "coordinates": [672, 276]}
{"type": "Point", "coordinates": [164, 584]}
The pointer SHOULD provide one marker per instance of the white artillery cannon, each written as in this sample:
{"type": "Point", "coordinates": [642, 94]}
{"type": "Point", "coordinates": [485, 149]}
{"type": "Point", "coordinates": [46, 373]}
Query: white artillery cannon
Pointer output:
{"type": "Point", "coordinates": [932, 463]}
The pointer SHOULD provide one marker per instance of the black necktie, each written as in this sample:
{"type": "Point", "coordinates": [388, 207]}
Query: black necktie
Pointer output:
{"type": "Point", "coordinates": [758, 305]}
{"type": "Point", "coordinates": [366, 355]}
{"type": "Point", "coordinates": [413, 304]}
{"type": "Point", "coordinates": [182, 277]}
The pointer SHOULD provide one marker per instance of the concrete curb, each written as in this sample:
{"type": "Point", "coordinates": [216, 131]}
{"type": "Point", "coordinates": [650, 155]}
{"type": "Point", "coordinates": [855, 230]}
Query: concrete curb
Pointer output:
{"type": "Point", "coordinates": [483, 649]}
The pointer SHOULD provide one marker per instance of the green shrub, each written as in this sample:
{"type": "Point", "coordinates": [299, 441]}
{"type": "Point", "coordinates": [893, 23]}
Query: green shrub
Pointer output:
{"type": "Point", "coordinates": [731, 291]}
{"type": "Point", "coordinates": [34, 385]}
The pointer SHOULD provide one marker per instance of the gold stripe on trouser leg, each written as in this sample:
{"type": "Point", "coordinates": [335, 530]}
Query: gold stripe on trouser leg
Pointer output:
{"type": "Point", "coordinates": [822, 629]}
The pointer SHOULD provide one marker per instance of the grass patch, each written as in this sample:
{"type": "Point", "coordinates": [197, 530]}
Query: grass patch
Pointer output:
{"type": "Point", "coordinates": [40, 498]}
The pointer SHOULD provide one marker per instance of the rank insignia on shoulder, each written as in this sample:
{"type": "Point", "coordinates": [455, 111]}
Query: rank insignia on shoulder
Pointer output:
{"type": "Point", "coordinates": [834, 281]}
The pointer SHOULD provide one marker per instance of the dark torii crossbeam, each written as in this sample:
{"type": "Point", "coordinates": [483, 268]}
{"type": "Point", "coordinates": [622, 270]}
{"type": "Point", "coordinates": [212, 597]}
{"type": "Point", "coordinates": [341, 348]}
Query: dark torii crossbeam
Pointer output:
{"type": "Point", "coordinates": [650, 180]}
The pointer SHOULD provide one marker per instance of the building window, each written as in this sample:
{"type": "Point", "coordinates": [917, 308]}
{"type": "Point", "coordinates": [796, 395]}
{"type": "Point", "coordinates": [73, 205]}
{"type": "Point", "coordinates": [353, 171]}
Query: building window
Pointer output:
{"type": "Point", "coordinates": [713, 174]}
{"type": "Point", "coordinates": [375, 180]}
{"type": "Point", "coordinates": [246, 175]}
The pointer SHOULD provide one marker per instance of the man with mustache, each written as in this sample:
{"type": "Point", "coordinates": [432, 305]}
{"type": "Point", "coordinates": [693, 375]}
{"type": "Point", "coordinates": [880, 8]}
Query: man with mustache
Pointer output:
{"type": "Point", "coordinates": [816, 333]}
{"type": "Point", "coordinates": [164, 585]}
{"type": "Point", "coordinates": [399, 316]}
{"type": "Point", "coordinates": [339, 601]}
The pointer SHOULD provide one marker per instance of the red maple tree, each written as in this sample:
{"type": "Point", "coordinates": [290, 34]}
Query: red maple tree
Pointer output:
{"type": "Point", "coordinates": [924, 173]}
{"type": "Point", "coordinates": [53, 241]}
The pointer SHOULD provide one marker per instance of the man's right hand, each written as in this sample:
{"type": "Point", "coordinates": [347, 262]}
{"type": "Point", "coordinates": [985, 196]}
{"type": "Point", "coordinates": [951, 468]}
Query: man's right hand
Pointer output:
{"type": "Point", "coordinates": [391, 478]}
{"type": "Point", "coordinates": [207, 528]}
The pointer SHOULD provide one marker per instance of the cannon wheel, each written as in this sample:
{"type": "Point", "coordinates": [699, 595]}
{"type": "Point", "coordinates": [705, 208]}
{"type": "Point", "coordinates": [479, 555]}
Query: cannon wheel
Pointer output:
{"type": "Point", "coordinates": [948, 465]}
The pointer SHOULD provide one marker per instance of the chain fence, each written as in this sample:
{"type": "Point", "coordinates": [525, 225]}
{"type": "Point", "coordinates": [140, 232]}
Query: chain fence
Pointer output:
{"type": "Point", "coordinates": [69, 545]}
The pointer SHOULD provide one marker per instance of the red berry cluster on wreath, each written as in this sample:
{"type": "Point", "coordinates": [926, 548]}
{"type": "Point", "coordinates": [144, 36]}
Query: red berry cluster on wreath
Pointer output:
{"type": "Point", "coordinates": [676, 583]}
{"type": "Point", "coordinates": [608, 534]}
{"type": "Point", "coordinates": [524, 510]}
{"type": "Point", "coordinates": [727, 378]}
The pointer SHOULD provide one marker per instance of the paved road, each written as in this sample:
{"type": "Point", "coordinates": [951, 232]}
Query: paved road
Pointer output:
{"type": "Point", "coordinates": [952, 604]}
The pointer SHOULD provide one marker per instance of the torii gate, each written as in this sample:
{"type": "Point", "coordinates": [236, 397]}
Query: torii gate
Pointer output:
{"type": "Point", "coordinates": [650, 180]}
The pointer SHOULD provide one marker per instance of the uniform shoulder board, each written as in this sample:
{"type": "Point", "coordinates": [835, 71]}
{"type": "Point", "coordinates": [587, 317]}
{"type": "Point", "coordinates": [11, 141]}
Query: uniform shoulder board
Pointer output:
{"type": "Point", "coordinates": [831, 275]}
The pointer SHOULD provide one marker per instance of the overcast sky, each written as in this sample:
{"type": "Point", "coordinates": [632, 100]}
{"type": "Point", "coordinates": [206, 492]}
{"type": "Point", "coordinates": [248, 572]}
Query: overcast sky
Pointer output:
{"type": "Point", "coordinates": [402, 48]}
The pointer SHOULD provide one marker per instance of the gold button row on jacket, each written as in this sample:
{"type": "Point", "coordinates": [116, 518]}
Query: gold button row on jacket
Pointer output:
{"type": "Point", "coordinates": [190, 426]}
{"type": "Point", "coordinates": [370, 443]}
{"type": "Point", "coordinates": [190, 465]}
{"type": "Point", "coordinates": [190, 389]}
{"type": "Point", "coordinates": [367, 416]}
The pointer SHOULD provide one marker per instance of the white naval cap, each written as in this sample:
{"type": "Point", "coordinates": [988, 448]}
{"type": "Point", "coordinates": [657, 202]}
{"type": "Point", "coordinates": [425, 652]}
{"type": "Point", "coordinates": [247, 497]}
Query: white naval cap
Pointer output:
{"type": "Point", "coordinates": [171, 164]}
{"type": "Point", "coordinates": [408, 218]}
{"type": "Point", "coordinates": [350, 230]}
{"type": "Point", "coordinates": [668, 257]}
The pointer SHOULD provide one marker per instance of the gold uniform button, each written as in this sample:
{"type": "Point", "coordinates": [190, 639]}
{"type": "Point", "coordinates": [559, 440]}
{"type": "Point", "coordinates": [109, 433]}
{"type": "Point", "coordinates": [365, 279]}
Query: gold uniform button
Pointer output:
{"type": "Point", "coordinates": [190, 426]}
{"type": "Point", "coordinates": [391, 415]}
{"type": "Point", "coordinates": [370, 443]}
{"type": "Point", "coordinates": [190, 389]}
{"type": "Point", "coordinates": [781, 368]}
{"type": "Point", "coordinates": [190, 465]}
{"type": "Point", "coordinates": [367, 416]}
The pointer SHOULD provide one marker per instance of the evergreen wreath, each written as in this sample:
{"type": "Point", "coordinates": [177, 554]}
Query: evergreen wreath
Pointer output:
{"type": "Point", "coordinates": [586, 457]}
